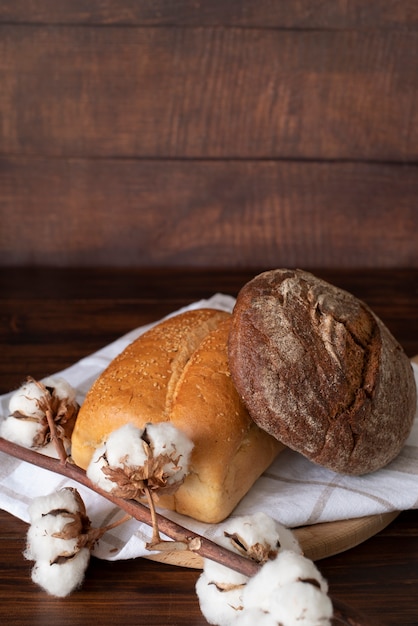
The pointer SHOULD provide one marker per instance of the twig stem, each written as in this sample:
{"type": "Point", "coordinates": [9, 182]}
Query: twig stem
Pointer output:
{"type": "Point", "coordinates": [155, 530]}
{"type": "Point", "coordinates": [204, 547]}
{"type": "Point", "coordinates": [59, 446]}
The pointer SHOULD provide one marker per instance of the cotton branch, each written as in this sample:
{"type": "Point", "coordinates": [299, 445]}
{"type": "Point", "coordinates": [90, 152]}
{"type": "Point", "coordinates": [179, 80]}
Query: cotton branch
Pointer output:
{"type": "Point", "coordinates": [192, 541]}
{"type": "Point", "coordinates": [181, 537]}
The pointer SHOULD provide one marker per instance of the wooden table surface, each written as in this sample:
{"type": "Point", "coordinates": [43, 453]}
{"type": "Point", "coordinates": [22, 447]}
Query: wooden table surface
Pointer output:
{"type": "Point", "coordinates": [51, 318]}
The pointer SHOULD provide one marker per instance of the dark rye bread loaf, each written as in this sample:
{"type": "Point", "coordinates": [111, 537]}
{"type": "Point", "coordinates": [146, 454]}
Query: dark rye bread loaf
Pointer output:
{"type": "Point", "coordinates": [319, 371]}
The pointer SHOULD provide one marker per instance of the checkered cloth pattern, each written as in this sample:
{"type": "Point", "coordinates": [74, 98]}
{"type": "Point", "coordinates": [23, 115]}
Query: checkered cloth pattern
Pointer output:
{"type": "Point", "coordinates": [293, 490]}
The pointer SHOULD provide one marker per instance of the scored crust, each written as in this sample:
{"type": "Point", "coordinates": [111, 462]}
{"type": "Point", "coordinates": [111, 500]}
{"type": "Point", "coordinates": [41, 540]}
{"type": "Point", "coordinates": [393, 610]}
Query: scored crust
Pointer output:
{"type": "Point", "coordinates": [319, 371]}
{"type": "Point", "coordinates": [138, 384]}
{"type": "Point", "coordinates": [178, 372]}
{"type": "Point", "coordinates": [231, 451]}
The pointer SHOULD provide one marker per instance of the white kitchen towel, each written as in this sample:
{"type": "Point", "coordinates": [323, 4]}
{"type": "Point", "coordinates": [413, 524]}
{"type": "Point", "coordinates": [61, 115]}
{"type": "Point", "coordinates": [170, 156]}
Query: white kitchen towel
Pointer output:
{"type": "Point", "coordinates": [293, 490]}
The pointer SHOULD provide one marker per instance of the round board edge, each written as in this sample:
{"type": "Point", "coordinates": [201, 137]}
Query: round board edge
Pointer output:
{"type": "Point", "coordinates": [317, 541]}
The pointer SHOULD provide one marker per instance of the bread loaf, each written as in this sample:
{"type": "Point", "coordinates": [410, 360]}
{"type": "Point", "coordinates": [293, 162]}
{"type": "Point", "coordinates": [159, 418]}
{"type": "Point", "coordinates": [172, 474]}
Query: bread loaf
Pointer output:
{"type": "Point", "coordinates": [317, 369]}
{"type": "Point", "coordinates": [178, 372]}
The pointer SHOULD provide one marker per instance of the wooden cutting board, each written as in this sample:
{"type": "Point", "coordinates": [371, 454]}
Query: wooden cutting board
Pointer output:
{"type": "Point", "coordinates": [317, 541]}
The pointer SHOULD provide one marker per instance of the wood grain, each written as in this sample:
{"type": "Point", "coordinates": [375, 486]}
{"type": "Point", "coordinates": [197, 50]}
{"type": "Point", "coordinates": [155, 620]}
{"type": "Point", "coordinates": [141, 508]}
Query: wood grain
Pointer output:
{"type": "Point", "coordinates": [84, 310]}
{"type": "Point", "coordinates": [317, 541]}
{"type": "Point", "coordinates": [208, 93]}
{"type": "Point", "coordinates": [213, 134]}
{"type": "Point", "coordinates": [54, 312]}
{"type": "Point", "coordinates": [264, 13]}
{"type": "Point", "coordinates": [78, 212]}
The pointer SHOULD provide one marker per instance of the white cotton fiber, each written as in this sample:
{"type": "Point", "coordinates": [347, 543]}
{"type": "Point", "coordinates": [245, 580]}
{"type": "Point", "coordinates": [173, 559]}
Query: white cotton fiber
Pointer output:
{"type": "Point", "coordinates": [219, 607]}
{"type": "Point", "coordinates": [220, 573]}
{"type": "Point", "coordinates": [42, 545]}
{"type": "Point", "coordinates": [63, 499]}
{"type": "Point", "coordinates": [245, 533]}
{"type": "Point", "coordinates": [129, 447]}
{"type": "Point", "coordinates": [255, 617]}
{"type": "Point", "coordinates": [260, 528]}
{"type": "Point", "coordinates": [48, 518]}
{"type": "Point", "coordinates": [95, 472]}
{"type": "Point", "coordinates": [61, 579]}
{"type": "Point", "coordinates": [288, 567]}
{"type": "Point", "coordinates": [166, 439]}
{"type": "Point", "coordinates": [20, 431]}
{"type": "Point", "coordinates": [301, 603]}
{"type": "Point", "coordinates": [61, 389]}
{"type": "Point", "coordinates": [26, 400]}
{"type": "Point", "coordinates": [124, 446]}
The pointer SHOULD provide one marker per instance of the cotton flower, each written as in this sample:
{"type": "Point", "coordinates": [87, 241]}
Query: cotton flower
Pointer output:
{"type": "Point", "coordinates": [220, 589]}
{"type": "Point", "coordinates": [292, 590]}
{"type": "Point", "coordinates": [301, 602]}
{"type": "Point", "coordinates": [256, 536]}
{"type": "Point", "coordinates": [67, 499]}
{"type": "Point", "coordinates": [142, 462]}
{"type": "Point", "coordinates": [123, 448]}
{"type": "Point", "coordinates": [255, 617]}
{"type": "Point", "coordinates": [219, 602]}
{"type": "Point", "coordinates": [167, 441]}
{"type": "Point", "coordinates": [259, 537]}
{"type": "Point", "coordinates": [20, 431]}
{"type": "Point", "coordinates": [59, 540]}
{"type": "Point", "coordinates": [133, 460]}
{"type": "Point", "coordinates": [26, 400]}
{"type": "Point", "coordinates": [62, 579]}
{"type": "Point", "coordinates": [34, 407]}
{"type": "Point", "coordinates": [57, 523]}
{"type": "Point", "coordinates": [287, 590]}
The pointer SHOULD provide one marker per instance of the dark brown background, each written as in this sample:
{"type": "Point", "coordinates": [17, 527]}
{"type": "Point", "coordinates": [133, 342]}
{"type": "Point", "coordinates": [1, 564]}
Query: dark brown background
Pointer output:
{"type": "Point", "coordinates": [186, 144]}
{"type": "Point", "coordinates": [209, 134]}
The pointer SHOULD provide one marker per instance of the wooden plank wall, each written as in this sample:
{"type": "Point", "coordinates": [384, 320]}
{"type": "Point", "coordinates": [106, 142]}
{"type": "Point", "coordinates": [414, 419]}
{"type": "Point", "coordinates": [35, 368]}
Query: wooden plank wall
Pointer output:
{"type": "Point", "coordinates": [209, 134]}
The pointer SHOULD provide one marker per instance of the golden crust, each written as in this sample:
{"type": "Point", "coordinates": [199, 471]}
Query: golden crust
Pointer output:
{"type": "Point", "coordinates": [207, 407]}
{"type": "Point", "coordinates": [178, 371]}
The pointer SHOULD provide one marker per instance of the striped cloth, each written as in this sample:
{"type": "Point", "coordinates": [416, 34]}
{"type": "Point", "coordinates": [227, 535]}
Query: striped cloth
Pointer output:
{"type": "Point", "coordinates": [293, 490]}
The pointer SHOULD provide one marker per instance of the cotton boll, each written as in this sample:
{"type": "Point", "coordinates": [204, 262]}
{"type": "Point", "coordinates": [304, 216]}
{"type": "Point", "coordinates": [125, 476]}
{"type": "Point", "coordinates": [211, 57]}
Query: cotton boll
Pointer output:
{"type": "Point", "coordinates": [61, 579]}
{"type": "Point", "coordinates": [20, 431]}
{"type": "Point", "coordinates": [288, 567]}
{"type": "Point", "coordinates": [42, 404]}
{"type": "Point", "coordinates": [42, 545]}
{"type": "Point", "coordinates": [66, 499]}
{"type": "Point", "coordinates": [218, 607]}
{"type": "Point", "coordinates": [26, 400]}
{"type": "Point", "coordinates": [222, 574]}
{"type": "Point", "coordinates": [259, 530]}
{"type": "Point", "coordinates": [291, 567]}
{"type": "Point", "coordinates": [124, 446]}
{"type": "Point", "coordinates": [61, 389]}
{"type": "Point", "coordinates": [25, 433]}
{"type": "Point", "coordinates": [256, 617]}
{"type": "Point", "coordinates": [95, 472]}
{"type": "Point", "coordinates": [50, 448]}
{"type": "Point", "coordinates": [56, 523]}
{"type": "Point", "coordinates": [219, 589]}
{"type": "Point", "coordinates": [166, 439]}
{"type": "Point", "coordinates": [301, 603]}
{"type": "Point", "coordinates": [155, 457]}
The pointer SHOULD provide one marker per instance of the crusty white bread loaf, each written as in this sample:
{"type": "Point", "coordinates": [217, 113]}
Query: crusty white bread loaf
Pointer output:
{"type": "Point", "coordinates": [178, 371]}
